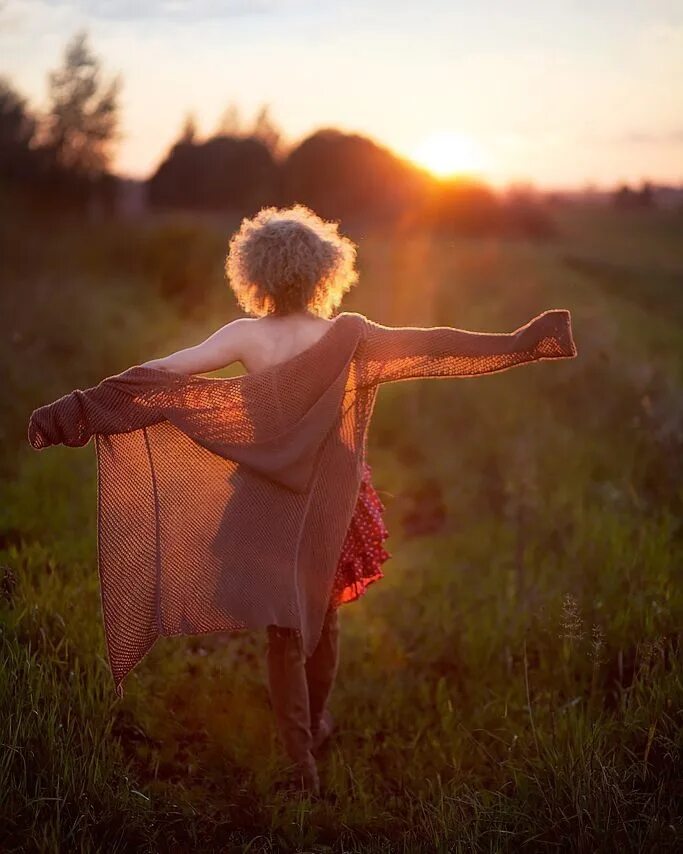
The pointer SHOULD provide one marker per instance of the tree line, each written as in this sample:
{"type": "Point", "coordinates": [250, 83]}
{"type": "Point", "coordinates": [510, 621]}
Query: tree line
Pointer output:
{"type": "Point", "coordinates": [62, 160]}
{"type": "Point", "coordinates": [341, 176]}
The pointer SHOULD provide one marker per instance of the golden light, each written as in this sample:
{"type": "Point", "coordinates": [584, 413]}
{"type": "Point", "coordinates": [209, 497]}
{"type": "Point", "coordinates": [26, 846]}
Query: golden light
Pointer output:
{"type": "Point", "coordinates": [449, 154]}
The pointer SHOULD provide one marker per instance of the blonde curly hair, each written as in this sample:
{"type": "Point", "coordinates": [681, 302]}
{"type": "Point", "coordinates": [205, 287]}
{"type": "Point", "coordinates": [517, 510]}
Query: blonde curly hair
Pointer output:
{"type": "Point", "coordinates": [285, 260]}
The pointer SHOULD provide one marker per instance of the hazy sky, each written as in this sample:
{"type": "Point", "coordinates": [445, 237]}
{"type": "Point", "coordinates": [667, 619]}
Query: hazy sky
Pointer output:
{"type": "Point", "coordinates": [560, 92]}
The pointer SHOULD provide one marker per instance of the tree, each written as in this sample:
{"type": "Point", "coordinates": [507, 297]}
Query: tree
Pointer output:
{"type": "Point", "coordinates": [83, 116]}
{"type": "Point", "coordinates": [627, 198]}
{"type": "Point", "coordinates": [221, 173]}
{"type": "Point", "coordinates": [230, 123]}
{"type": "Point", "coordinates": [348, 175]}
{"type": "Point", "coordinates": [26, 170]}
{"type": "Point", "coordinates": [266, 131]}
{"type": "Point", "coordinates": [189, 132]}
{"type": "Point", "coordinates": [17, 129]}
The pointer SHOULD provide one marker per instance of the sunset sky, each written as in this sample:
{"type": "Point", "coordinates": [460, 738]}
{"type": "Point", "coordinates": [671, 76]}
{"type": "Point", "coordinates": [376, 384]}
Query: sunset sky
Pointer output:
{"type": "Point", "coordinates": [559, 93]}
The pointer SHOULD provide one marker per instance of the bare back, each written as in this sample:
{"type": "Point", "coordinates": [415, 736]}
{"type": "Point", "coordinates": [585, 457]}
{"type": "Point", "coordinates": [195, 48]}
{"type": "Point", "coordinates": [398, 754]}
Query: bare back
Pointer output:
{"type": "Point", "coordinates": [271, 340]}
{"type": "Point", "coordinates": [259, 343]}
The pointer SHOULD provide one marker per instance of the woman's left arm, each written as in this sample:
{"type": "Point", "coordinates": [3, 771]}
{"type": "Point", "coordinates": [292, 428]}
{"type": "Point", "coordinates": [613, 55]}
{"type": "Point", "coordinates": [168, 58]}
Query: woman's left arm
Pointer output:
{"type": "Point", "coordinates": [391, 353]}
{"type": "Point", "coordinates": [219, 350]}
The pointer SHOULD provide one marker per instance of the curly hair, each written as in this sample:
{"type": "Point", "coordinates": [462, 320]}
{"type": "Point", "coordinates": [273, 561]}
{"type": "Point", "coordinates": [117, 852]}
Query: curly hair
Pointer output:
{"type": "Point", "coordinates": [285, 260]}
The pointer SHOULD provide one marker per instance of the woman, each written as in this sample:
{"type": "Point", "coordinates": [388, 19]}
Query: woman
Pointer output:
{"type": "Point", "coordinates": [247, 502]}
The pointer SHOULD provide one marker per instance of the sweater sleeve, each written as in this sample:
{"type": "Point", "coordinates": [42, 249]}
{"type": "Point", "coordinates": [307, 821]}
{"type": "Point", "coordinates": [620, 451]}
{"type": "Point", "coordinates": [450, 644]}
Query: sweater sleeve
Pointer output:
{"type": "Point", "coordinates": [115, 405]}
{"type": "Point", "coordinates": [396, 353]}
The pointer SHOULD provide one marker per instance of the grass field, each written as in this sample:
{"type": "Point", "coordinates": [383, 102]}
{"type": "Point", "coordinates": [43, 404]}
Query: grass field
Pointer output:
{"type": "Point", "coordinates": [514, 683]}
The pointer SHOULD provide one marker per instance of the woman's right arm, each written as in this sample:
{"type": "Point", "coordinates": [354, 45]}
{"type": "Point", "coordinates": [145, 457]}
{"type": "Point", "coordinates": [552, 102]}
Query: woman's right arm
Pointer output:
{"type": "Point", "coordinates": [393, 353]}
{"type": "Point", "coordinates": [118, 404]}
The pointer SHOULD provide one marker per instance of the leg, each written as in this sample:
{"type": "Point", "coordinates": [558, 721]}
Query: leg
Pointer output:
{"type": "Point", "coordinates": [321, 671]}
{"type": "Point", "coordinates": [290, 702]}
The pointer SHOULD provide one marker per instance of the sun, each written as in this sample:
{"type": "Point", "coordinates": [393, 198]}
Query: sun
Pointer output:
{"type": "Point", "coordinates": [448, 154]}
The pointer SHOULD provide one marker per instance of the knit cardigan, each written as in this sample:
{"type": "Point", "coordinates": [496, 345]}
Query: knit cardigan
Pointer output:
{"type": "Point", "coordinates": [223, 503]}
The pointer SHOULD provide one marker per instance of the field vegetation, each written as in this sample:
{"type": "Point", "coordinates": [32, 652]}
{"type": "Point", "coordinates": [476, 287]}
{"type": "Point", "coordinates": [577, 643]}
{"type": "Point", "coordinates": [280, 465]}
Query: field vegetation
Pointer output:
{"type": "Point", "coordinates": [514, 683]}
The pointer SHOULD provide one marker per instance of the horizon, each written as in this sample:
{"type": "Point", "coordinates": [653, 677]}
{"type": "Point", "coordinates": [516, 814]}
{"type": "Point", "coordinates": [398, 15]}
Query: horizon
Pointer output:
{"type": "Point", "coordinates": [542, 112]}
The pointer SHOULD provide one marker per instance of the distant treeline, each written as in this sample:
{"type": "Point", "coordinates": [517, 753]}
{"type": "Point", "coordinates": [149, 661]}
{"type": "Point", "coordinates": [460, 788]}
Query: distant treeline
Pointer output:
{"type": "Point", "coordinates": [341, 176]}
{"type": "Point", "coordinates": [33, 163]}
{"type": "Point", "coordinates": [60, 161]}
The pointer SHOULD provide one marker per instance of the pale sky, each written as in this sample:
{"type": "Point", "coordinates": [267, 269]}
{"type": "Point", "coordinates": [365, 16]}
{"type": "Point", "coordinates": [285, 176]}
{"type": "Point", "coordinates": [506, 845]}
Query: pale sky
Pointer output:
{"type": "Point", "coordinates": [557, 92]}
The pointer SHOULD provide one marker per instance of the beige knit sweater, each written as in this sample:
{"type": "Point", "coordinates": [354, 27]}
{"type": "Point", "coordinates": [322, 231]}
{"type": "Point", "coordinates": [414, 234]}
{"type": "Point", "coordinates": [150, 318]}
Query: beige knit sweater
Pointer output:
{"type": "Point", "coordinates": [223, 503]}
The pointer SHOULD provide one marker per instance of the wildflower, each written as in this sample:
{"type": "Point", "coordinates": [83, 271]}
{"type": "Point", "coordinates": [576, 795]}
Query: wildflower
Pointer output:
{"type": "Point", "coordinates": [571, 621]}
{"type": "Point", "coordinates": [597, 644]}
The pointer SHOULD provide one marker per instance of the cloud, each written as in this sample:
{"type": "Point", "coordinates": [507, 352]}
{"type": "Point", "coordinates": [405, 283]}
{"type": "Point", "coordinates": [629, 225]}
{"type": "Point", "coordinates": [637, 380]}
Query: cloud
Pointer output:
{"type": "Point", "coordinates": [20, 16]}
{"type": "Point", "coordinates": [640, 137]}
{"type": "Point", "coordinates": [168, 10]}
{"type": "Point", "coordinates": [661, 48]}
{"type": "Point", "coordinates": [31, 29]}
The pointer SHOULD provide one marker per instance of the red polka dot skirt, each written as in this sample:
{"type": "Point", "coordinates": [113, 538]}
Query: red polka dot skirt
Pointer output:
{"type": "Point", "coordinates": [363, 553]}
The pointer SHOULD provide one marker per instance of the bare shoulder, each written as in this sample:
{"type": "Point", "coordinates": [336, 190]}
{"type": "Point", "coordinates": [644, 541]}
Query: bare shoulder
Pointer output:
{"type": "Point", "coordinates": [230, 341]}
{"type": "Point", "coordinates": [239, 330]}
{"type": "Point", "coordinates": [249, 337]}
{"type": "Point", "coordinates": [241, 324]}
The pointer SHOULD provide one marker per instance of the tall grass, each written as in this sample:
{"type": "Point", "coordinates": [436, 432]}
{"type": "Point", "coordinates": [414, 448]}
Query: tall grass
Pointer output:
{"type": "Point", "coordinates": [513, 683]}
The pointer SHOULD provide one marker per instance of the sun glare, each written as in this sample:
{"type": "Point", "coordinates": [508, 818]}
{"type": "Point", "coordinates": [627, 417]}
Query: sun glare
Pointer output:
{"type": "Point", "coordinates": [448, 154]}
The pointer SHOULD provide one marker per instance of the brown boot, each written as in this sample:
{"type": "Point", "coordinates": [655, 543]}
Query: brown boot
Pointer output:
{"type": "Point", "coordinates": [289, 698]}
{"type": "Point", "coordinates": [321, 671]}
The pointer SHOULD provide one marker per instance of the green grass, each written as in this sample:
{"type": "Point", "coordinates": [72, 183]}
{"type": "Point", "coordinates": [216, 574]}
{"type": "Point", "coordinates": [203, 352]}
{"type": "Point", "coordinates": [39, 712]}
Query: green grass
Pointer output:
{"type": "Point", "coordinates": [513, 683]}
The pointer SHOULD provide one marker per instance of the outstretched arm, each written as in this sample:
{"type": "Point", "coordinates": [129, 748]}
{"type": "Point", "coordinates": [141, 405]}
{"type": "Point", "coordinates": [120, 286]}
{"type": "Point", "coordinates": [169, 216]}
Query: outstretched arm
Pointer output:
{"type": "Point", "coordinates": [134, 398]}
{"type": "Point", "coordinates": [391, 353]}
{"type": "Point", "coordinates": [222, 348]}
{"type": "Point", "coordinates": [118, 404]}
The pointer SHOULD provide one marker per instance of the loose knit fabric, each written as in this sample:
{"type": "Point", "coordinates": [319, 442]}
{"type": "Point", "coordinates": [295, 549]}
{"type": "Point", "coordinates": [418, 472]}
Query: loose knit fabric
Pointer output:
{"type": "Point", "coordinates": [223, 503]}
